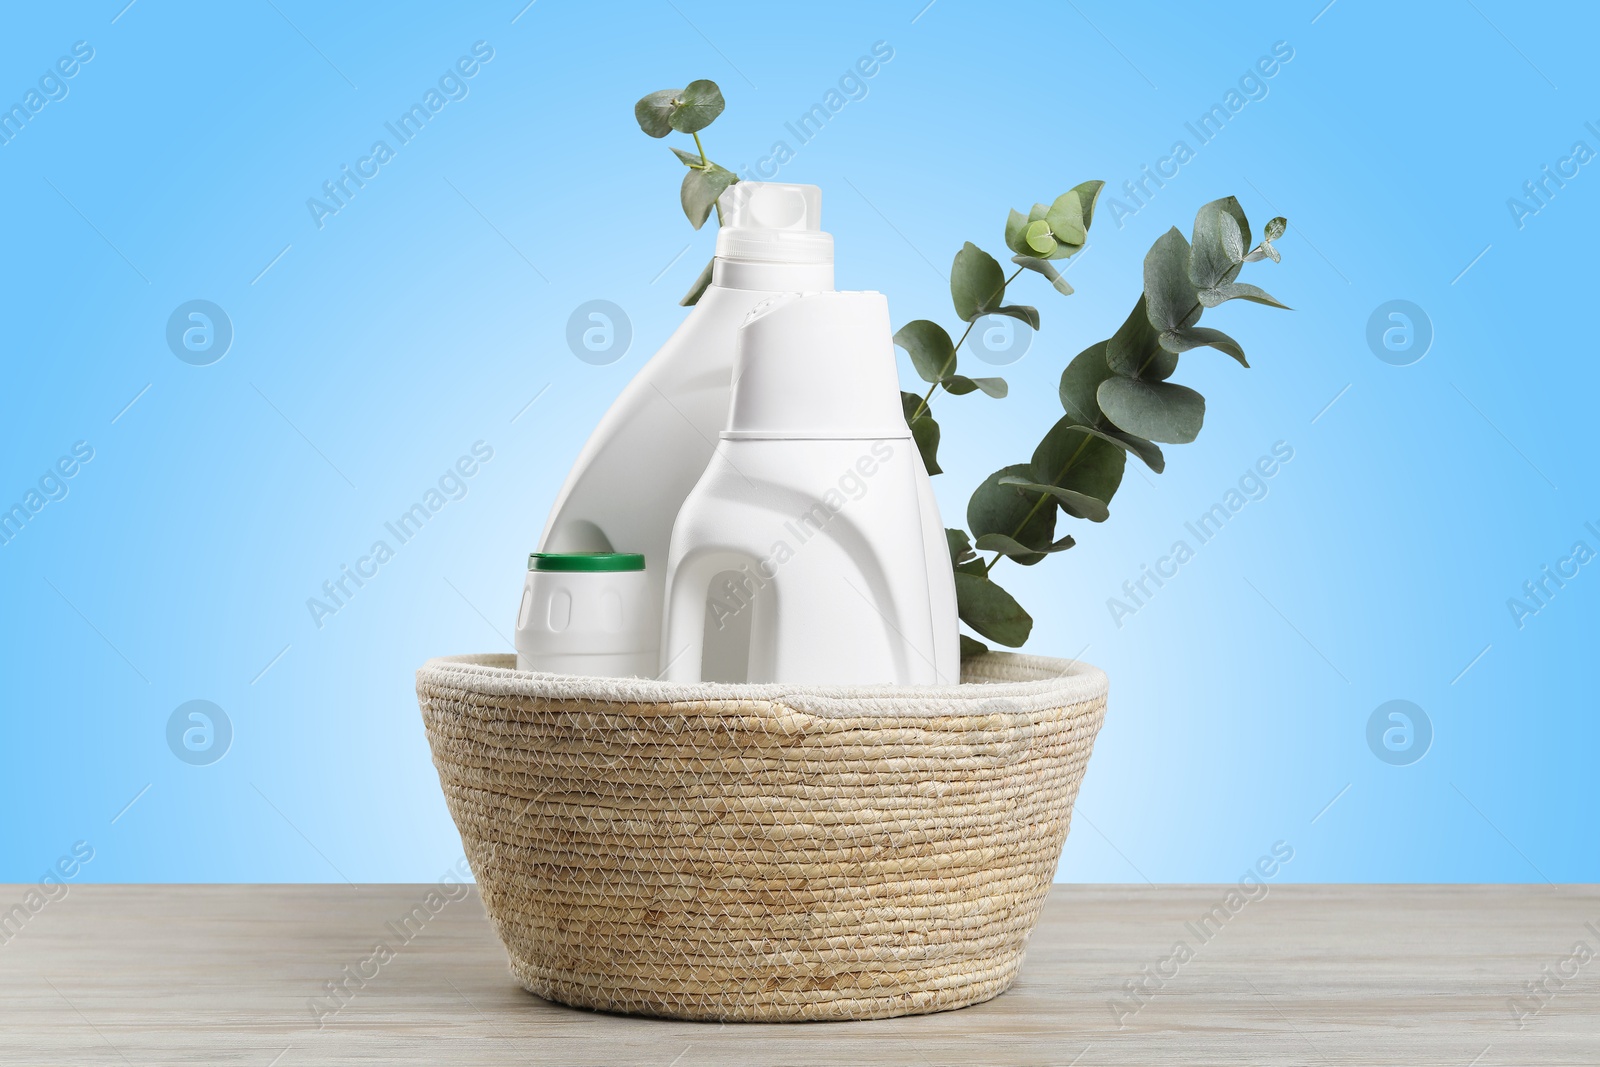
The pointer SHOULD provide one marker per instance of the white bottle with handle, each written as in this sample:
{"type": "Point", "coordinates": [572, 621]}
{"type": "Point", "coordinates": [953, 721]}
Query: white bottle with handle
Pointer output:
{"type": "Point", "coordinates": [804, 550]}
{"type": "Point", "coordinates": [651, 447]}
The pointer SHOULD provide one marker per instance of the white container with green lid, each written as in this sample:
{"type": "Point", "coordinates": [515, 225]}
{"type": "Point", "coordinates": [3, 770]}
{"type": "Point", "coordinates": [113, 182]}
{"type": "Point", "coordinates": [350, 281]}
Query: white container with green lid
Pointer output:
{"type": "Point", "coordinates": [587, 613]}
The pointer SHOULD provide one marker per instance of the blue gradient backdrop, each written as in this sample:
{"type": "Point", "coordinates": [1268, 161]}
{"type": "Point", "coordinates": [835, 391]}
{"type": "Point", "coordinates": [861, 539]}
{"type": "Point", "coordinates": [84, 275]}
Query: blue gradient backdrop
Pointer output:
{"type": "Point", "coordinates": [369, 354]}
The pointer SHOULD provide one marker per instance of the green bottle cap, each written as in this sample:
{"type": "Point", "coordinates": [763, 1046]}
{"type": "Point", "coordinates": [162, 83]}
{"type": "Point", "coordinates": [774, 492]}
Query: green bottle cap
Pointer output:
{"type": "Point", "coordinates": [585, 561]}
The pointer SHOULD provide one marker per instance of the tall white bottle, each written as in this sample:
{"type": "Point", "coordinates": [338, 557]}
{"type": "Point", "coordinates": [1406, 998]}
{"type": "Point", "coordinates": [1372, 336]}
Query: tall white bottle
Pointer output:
{"type": "Point", "coordinates": [625, 489]}
{"type": "Point", "coordinates": [650, 448]}
{"type": "Point", "coordinates": [802, 550]}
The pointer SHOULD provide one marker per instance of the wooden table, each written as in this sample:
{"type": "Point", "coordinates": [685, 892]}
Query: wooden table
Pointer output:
{"type": "Point", "coordinates": [1305, 975]}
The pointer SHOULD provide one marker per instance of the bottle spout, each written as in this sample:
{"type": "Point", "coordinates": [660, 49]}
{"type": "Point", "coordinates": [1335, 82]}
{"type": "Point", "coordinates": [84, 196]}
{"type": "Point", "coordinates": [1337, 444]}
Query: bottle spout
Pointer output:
{"type": "Point", "coordinates": [773, 222]}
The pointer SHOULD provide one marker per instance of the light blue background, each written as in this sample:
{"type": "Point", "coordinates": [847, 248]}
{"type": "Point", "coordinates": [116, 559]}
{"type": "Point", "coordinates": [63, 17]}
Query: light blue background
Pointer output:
{"type": "Point", "coordinates": [429, 312]}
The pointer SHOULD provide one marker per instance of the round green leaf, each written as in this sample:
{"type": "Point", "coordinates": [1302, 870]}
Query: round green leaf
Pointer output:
{"type": "Point", "coordinates": [701, 189]}
{"type": "Point", "coordinates": [1135, 351]}
{"type": "Point", "coordinates": [977, 284]}
{"type": "Point", "coordinates": [696, 107]}
{"type": "Point", "coordinates": [1067, 428]}
{"type": "Point", "coordinates": [1158, 411]}
{"type": "Point", "coordinates": [924, 431]}
{"type": "Point", "coordinates": [1016, 229]}
{"type": "Point", "coordinates": [1075, 459]}
{"type": "Point", "coordinates": [1088, 196]}
{"type": "Point", "coordinates": [1081, 505]}
{"type": "Point", "coordinates": [1039, 237]}
{"type": "Point", "coordinates": [1066, 219]}
{"type": "Point", "coordinates": [1221, 235]}
{"type": "Point", "coordinates": [1170, 297]}
{"type": "Point", "coordinates": [1004, 509]}
{"type": "Point", "coordinates": [932, 352]}
{"type": "Point", "coordinates": [654, 112]}
{"type": "Point", "coordinates": [1080, 384]}
{"type": "Point", "coordinates": [1043, 267]}
{"type": "Point", "coordinates": [991, 611]}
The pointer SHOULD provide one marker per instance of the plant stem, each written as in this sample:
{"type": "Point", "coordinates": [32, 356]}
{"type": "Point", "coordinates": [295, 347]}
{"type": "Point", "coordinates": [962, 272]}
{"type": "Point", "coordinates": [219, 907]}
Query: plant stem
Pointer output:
{"type": "Point", "coordinates": [1152, 356]}
{"type": "Point", "coordinates": [928, 396]}
{"type": "Point", "coordinates": [1037, 504]}
{"type": "Point", "coordinates": [705, 164]}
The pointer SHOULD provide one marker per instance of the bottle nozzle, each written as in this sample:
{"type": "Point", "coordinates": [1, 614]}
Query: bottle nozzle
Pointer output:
{"type": "Point", "coordinates": [773, 222]}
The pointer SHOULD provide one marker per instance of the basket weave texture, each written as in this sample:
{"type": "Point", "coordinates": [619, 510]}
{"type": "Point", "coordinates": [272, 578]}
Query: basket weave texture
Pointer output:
{"type": "Point", "coordinates": [763, 852]}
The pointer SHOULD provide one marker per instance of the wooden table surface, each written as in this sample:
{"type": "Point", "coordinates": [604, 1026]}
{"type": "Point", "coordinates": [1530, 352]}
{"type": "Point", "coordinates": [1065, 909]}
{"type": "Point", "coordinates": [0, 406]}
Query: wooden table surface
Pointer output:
{"type": "Point", "coordinates": [1304, 975]}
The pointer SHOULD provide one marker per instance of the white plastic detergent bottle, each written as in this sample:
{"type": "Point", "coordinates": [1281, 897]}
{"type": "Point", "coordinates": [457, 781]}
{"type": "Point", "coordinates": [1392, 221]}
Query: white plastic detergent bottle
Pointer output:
{"type": "Point", "coordinates": [800, 556]}
{"type": "Point", "coordinates": [650, 449]}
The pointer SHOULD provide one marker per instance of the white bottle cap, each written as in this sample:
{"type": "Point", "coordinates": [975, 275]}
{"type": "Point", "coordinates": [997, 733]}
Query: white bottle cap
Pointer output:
{"type": "Point", "coordinates": [773, 222]}
{"type": "Point", "coordinates": [816, 365]}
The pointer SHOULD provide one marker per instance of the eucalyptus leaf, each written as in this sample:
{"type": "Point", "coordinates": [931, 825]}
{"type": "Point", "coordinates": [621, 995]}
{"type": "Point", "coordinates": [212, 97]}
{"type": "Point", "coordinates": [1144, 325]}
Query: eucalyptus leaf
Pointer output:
{"type": "Point", "coordinates": [1276, 228]}
{"type": "Point", "coordinates": [977, 284]}
{"type": "Point", "coordinates": [1221, 235]}
{"type": "Point", "coordinates": [991, 611]}
{"type": "Point", "coordinates": [1039, 238]}
{"type": "Point", "coordinates": [1088, 195]}
{"type": "Point", "coordinates": [689, 159]}
{"type": "Point", "coordinates": [958, 384]}
{"type": "Point", "coordinates": [995, 387]}
{"type": "Point", "coordinates": [653, 111]}
{"type": "Point", "coordinates": [1004, 509]}
{"type": "Point", "coordinates": [1040, 266]}
{"type": "Point", "coordinates": [1079, 458]}
{"type": "Point", "coordinates": [932, 352]}
{"type": "Point", "coordinates": [1080, 384]}
{"type": "Point", "coordinates": [1016, 233]}
{"type": "Point", "coordinates": [696, 107]}
{"type": "Point", "coordinates": [1082, 505]}
{"type": "Point", "coordinates": [1157, 411]}
{"type": "Point", "coordinates": [1147, 451]}
{"type": "Point", "coordinates": [1170, 297]}
{"type": "Point", "coordinates": [1198, 336]}
{"type": "Point", "coordinates": [971, 646]}
{"type": "Point", "coordinates": [960, 545]}
{"type": "Point", "coordinates": [1004, 545]}
{"type": "Point", "coordinates": [924, 431]}
{"type": "Point", "coordinates": [1020, 312]}
{"type": "Point", "coordinates": [1135, 351]}
{"type": "Point", "coordinates": [692, 297]}
{"type": "Point", "coordinates": [1065, 218]}
{"type": "Point", "coordinates": [701, 189]}
{"type": "Point", "coordinates": [1239, 291]}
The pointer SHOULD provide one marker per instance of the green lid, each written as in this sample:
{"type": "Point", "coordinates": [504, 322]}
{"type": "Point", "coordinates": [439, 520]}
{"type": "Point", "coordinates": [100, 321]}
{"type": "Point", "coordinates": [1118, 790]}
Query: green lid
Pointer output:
{"type": "Point", "coordinates": [585, 561]}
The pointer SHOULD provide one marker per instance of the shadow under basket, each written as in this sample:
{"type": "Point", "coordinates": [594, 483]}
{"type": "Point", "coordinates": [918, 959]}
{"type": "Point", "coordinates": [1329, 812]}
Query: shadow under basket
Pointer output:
{"type": "Point", "coordinates": [763, 852]}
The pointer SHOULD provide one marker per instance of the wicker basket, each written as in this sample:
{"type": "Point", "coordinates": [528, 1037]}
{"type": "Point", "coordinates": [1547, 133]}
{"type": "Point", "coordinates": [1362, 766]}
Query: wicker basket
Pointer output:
{"type": "Point", "coordinates": [762, 852]}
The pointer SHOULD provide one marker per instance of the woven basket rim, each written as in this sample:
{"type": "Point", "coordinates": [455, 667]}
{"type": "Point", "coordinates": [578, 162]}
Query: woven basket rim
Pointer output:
{"type": "Point", "coordinates": [997, 682]}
